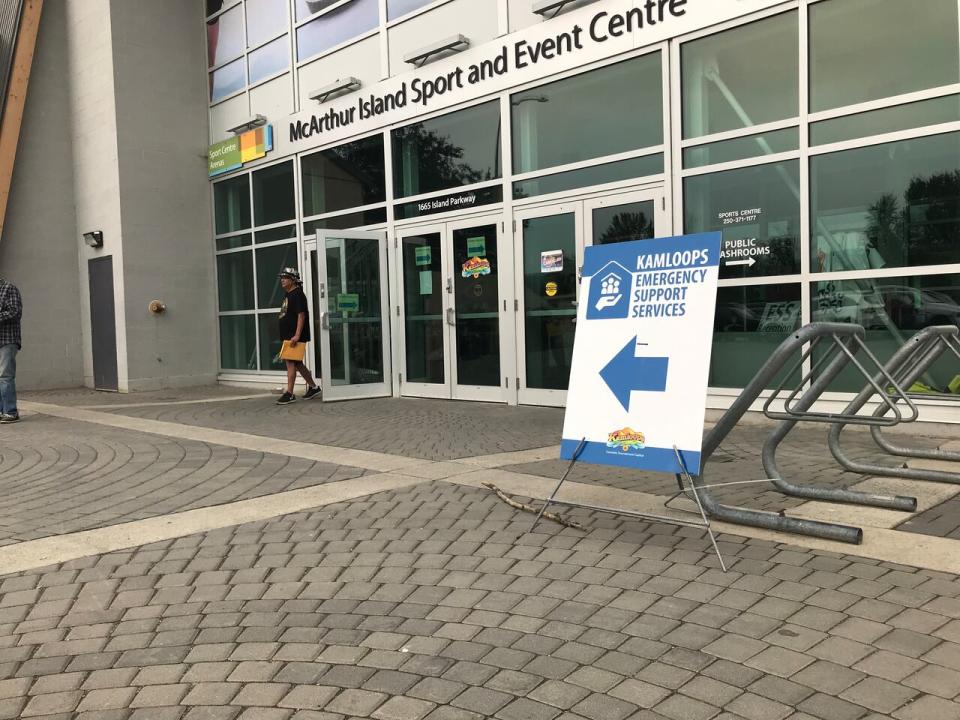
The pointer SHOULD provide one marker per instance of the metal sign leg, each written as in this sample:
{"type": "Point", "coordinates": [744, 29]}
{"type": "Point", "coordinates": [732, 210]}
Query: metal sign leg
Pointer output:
{"type": "Point", "coordinates": [573, 461]}
{"type": "Point", "coordinates": [703, 514]}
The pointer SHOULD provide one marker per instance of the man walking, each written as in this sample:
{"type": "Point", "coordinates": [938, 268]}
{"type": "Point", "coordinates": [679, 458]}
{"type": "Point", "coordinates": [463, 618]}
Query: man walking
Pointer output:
{"type": "Point", "coordinates": [11, 310]}
{"type": "Point", "coordinates": [294, 325]}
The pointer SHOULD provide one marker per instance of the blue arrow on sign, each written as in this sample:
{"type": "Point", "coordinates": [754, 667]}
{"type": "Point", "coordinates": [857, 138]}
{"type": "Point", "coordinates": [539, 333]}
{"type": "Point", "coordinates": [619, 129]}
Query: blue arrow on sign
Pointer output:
{"type": "Point", "coordinates": [626, 373]}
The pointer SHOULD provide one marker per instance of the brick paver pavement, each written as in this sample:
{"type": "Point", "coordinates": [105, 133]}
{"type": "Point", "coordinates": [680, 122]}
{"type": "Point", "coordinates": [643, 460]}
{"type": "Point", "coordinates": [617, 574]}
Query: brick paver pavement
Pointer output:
{"type": "Point", "coordinates": [435, 603]}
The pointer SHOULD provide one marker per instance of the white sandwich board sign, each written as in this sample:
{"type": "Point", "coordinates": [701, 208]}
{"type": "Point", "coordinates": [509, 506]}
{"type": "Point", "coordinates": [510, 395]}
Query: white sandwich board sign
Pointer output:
{"type": "Point", "coordinates": [641, 355]}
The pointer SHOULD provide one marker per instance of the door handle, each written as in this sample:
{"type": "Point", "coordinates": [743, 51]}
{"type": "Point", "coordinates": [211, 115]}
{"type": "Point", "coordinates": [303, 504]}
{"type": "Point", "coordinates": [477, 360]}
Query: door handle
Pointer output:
{"type": "Point", "coordinates": [451, 318]}
{"type": "Point", "coordinates": [325, 320]}
{"type": "Point", "coordinates": [450, 285]}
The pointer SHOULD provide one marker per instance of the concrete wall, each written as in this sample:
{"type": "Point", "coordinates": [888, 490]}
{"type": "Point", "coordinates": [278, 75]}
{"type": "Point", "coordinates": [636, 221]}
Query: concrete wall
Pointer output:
{"type": "Point", "coordinates": [161, 135]}
{"type": "Point", "coordinates": [38, 250]}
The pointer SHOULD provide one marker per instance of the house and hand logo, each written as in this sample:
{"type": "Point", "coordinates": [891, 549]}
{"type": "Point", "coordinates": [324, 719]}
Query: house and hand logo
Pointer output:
{"type": "Point", "coordinates": [609, 293]}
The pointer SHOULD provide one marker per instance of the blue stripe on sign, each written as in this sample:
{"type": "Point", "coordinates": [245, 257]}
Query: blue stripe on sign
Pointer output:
{"type": "Point", "coordinates": [651, 458]}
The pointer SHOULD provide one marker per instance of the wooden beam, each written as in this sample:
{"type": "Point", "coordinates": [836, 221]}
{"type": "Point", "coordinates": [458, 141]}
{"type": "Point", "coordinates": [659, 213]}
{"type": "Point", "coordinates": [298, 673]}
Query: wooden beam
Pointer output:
{"type": "Point", "coordinates": [16, 99]}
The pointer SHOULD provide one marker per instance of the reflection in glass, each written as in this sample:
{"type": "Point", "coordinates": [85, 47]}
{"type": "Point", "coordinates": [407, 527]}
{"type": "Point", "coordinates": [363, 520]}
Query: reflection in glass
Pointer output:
{"type": "Point", "coordinates": [270, 261]}
{"type": "Point", "coordinates": [345, 176]}
{"type": "Point", "coordinates": [891, 310]}
{"type": "Point", "coordinates": [339, 25]}
{"type": "Point", "coordinates": [750, 322]}
{"type": "Point", "coordinates": [559, 123]}
{"type": "Point", "coordinates": [741, 77]}
{"type": "Point", "coordinates": [377, 216]}
{"type": "Point", "coordinates": [225, 37]}
{"type": "Point", "coordinates": [270, 342]}
{"type": "Point", "coordinates": [265, 19]}
{"type": "Point", "coordinates": [622, 223]}
{"type": "Point", "coordinates": [549, 296]}
{"type": "Point", "coordinates": [423, 290]}
{"type": "Point", "coordinates": [273, 234]}
{"type": "Point", "coordinates": [273, 196]}
{"type": "Point", "coordinates": [235, 281]}
{"type": "Point", "coordinates": [214, 6]}
{"type": "Point", "coordinates": [595, 175]}
{"type": "Point", "coordinates": [227, 80]}
{"type": "Point", "coordinates": [758, 211]}
{"type": "Point", "coordinates": [356, 322]}
{"type": "Point", "coordinates": [769, 143]}
{"type": "Point", "coordinates": [306, 8]}
{"type": "Point", "coordinates": [460, 148]}
{"type": "Point", "coordinates": [233, 241]}
{"type": "Point", "coordinates": [272, 58]}
{"type": "Point", "coordinates": [231, 201]}
{"type": "Point", "coordinates": [863, 50]}
{"type": "Point", "coordinates": [876, 122]}
{"type": "Point", "coordinates": [476, 297]}
{"type": "Point", "coordinates": [890, 205]}
{"type": "Point", "coordinates": [397, 8]}
{"type": "Point", "coordinates": [238, 342]}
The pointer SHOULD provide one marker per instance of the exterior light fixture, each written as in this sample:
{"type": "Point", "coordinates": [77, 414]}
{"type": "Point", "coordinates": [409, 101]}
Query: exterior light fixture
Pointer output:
{"type": "Point", "coordinates": [454, 43]}
{"type": "Point", "coordinates": [553, 7]}
{"type": "Point", "coordinates": [249, 124]}
{"type": "Point", "coordinates": [341, 86]}
{"type": "Point", "coordinates": [94, 238]}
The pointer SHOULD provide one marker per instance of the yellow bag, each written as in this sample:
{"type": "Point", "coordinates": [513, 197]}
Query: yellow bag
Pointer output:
{"type": "Point", "coordinates": [295, 353]}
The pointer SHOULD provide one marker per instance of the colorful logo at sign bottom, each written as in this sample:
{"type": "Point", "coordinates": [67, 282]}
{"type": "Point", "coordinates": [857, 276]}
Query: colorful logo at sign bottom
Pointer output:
{"type": "Point", "coordinates": [626, 440]}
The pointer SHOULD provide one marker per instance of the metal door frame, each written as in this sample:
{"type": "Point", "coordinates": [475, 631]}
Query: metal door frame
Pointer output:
{"type": "Point", "coordinates": [333, 392]}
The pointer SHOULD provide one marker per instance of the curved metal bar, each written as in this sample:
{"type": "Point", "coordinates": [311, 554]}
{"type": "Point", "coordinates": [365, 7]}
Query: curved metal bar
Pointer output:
{"type": "Point", "coordinates": [772, 470]}
{"type": "Point", "coordinates": [916, 356]}
{"type": "Point", "coordinates": [758, 518]}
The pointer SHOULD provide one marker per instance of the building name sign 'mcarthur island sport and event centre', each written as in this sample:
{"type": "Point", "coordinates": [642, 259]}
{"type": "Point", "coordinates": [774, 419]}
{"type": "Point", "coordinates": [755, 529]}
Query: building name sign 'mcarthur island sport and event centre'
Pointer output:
{"type": "Point", "coordinates": [590, 34]}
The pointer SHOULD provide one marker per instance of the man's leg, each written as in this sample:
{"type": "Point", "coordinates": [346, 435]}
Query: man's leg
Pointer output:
{"type": "Point", "coordinates": [291, 375]}
{"type": "Point", "coordinates": [305, 374]}
{"type": "Point", "coordinates": [8, 379]}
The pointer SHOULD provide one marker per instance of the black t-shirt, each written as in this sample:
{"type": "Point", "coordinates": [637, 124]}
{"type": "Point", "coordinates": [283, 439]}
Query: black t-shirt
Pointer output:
{"type": "Point", "coordinates": [294, 303]}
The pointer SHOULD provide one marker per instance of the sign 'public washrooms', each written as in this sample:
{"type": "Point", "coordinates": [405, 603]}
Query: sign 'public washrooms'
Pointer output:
{"type": "Point", "coordinates": [641, 356]}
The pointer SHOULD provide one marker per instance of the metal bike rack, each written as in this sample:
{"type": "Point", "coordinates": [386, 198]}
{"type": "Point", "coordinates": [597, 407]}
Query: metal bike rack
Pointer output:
{"type": "Point", "coordinates": [909, 363]}
{"type": "Point", "coordinates": [844, 341]}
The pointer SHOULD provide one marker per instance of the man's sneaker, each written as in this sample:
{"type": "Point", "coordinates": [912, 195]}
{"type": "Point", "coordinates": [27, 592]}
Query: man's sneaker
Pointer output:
{"type": "Point", "coordinates": [286, 399]}
{"type": "Point", "coordinates": [10, 418]}
{"type": "Point", "coordinates": [311, 392]}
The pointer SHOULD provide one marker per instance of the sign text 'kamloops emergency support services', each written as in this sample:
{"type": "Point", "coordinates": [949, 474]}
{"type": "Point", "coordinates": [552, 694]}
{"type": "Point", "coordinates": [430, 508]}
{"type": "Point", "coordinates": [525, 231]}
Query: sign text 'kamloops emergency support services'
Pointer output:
{"type": "Point", "coordinates": [641, 356]}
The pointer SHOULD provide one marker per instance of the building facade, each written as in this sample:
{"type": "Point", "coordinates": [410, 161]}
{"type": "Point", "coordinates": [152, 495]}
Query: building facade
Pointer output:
{"type": "Point", "coordinates": [435, 168]}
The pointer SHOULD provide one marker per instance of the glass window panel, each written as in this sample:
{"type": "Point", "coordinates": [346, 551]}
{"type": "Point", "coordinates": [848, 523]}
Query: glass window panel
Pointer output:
{"type": "Point", "coordinates": [270, 261]}
{"type": "Point", "coordinates": [423, 290]}
{"type": "Point", "coordinates": [269, 60]}
{"type": "Point", "coordinates": [741, 148]}
{"type": "Point", "coordinates": [345, 176]}
{"type": "Point", "coordinates": [758, 211]}
{"type": "Point", "coordinates": [557, 124]}
{"type": "Point", "coordinates": [595, 175]}
{"type": "Point", "coordinates": [622, 223]}
{"type": "Point", "coordinates": [214, 6]}
{"type": "Point", "coordinates": [225, 37]}
{"type": "Point", "coordinates": [235, 281]}
{"type": "Point", "coordinates": [234, 241]}
{"type": "Point", "coordinates": [231, 198]}
{"type": "Point", "coordinates": [273, 195]}
{"type": "Point", "coordinates": [863, 50]}
{"type": "Point", "coordinates": [238, 342]}
{"type": "Point", "coordinates": [306, 8]}
{"type": "Point", "coordinates": [397, 8]}
{"type": "Point", "coordinates": [549, 300]}
{"type": "Point", "coordinates": [273, 234]}
{"type": "Point", "coordinates": [461, 148]}
{"type": "Point", "coordinates": [270, 342]}
{"type": "Point", "coordinates": [741, 77]}
{"type": "Point", "coordinates": [376, 216]}
{"type": "Point", "coordinates": [890, 205]}
{"type": "Point", "coordinates": [227, 80]}
{"type": "Point", "coordinates": [750, 322]}
{"type": "Point", "coordinates": [337, 26]}
{"type": "Point", "coordinates": [476, 300]}
{"type": "Point", "coordinates": [265, 18]}
{"type": "Point", "coordinates": [891, 310]}
{"type": "Point", "coordinates": [876, 122]}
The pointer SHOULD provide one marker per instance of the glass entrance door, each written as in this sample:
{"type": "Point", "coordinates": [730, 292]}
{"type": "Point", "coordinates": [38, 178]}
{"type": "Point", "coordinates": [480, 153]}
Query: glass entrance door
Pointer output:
{"type": "Point", "coordinates": [350, 297]}
{"type": "Point", "coordinates": [452, 312]}
{"type": "Point", "coordinates": [551, 241]}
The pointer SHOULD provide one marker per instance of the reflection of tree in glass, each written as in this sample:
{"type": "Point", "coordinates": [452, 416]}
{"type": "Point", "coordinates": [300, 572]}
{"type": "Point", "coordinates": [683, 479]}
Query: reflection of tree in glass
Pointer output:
{"type": "Point", "coordinates": [437, 156]}
{"type": "Point", "coordinates": [885, 229]}
{"type": "Point", "coordinates": [628, 226]}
